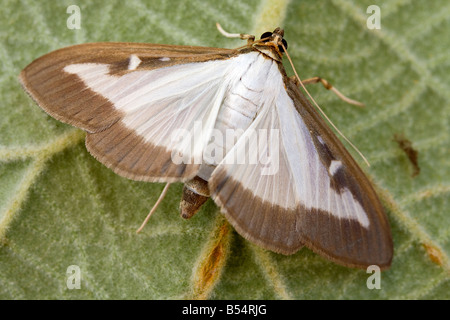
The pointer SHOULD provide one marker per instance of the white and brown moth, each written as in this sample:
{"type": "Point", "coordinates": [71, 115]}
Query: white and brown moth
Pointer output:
{"type": "Point", "coordinates": [131, 97]}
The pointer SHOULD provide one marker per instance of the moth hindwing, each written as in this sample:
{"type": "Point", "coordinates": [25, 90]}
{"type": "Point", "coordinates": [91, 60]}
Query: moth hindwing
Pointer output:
{"type": "Point", "coordinates": [162, 113]}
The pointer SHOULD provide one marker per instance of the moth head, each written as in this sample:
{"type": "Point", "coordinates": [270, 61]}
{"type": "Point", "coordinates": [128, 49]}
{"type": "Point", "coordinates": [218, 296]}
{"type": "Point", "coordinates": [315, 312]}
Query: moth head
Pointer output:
{"type": "Point", "coordinates": [272, 41]}
{"type": "Point", "coordinates": [275, 37]}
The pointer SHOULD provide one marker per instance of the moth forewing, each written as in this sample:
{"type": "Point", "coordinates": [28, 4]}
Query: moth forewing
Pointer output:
{"type": "Point", "coordinates": [131, 98]}
{"type": "Point", "coordinates": [319, 196]}
{"type": "Point", "coordinates": [67, 98]}
{"type": "Point", "coordinates": [91, 86]}
{"type": "Point", "coordinates": [370, 242]}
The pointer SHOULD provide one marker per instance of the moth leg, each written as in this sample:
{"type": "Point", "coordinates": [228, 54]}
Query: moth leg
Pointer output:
{"type": "Point", "coordinates": [328, 86]}
{"type": "Point", "coordinates": [161, 197]}
{"type": "Point", "coordinates": [250, 38]}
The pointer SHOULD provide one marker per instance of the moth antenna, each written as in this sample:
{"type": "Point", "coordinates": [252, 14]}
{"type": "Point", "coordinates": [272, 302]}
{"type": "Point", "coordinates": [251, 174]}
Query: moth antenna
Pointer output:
{"type": "Point", "coordinates": [161, 197]}
{"type": "Point", "coordinates": [321, 111]}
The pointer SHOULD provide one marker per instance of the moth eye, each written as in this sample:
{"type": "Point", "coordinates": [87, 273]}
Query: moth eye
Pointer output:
{"type": "Point", "coordinates": [285, 45]}
{"type": "Point", "coordinates": [266, 35]}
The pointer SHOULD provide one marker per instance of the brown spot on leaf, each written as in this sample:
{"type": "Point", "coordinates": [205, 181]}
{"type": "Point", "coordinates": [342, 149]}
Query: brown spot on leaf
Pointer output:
{"type": "Point", "coordinates": [212, 261]}
{"type": "Point", "coordinates": [434, 254]}
{"type": "Point", "coordinates": [412, 153]}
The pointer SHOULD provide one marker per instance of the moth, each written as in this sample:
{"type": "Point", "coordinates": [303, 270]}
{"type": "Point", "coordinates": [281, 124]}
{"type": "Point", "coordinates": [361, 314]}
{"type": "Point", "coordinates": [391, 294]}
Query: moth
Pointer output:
{"type": "Point", "coordinates": [131, 98]}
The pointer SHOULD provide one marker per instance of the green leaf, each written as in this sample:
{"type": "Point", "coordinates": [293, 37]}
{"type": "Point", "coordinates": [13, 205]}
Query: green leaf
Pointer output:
{"type": "Point", "coordinates": [60, 207]}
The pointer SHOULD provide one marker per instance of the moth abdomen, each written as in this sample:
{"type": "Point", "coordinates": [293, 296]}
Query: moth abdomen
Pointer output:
{"type": "Point", "coordinates": [195, 194]}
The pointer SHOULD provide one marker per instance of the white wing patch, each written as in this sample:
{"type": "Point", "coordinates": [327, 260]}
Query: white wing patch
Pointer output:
{"type": "Point", "coordinates": [310, 178]}
{"type": "Point", "coordinates": [156, 103]}
{"type": "Point", "coordinates": [134, 62]}
{"type": "Point", "coordinates": [334, 167]}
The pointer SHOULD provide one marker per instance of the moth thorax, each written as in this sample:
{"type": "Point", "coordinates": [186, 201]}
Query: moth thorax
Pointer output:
{"type": "Point", "coordinates": [195, 194]}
